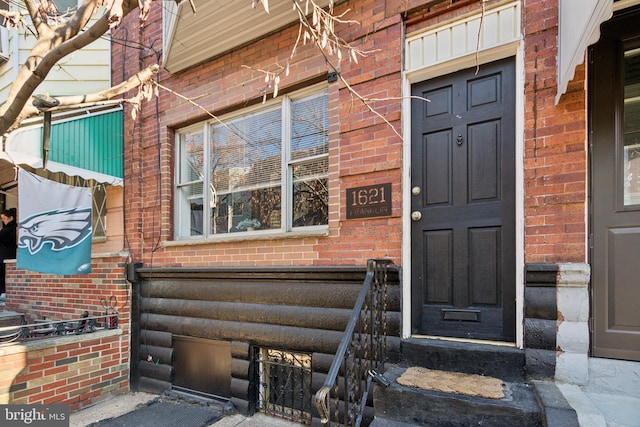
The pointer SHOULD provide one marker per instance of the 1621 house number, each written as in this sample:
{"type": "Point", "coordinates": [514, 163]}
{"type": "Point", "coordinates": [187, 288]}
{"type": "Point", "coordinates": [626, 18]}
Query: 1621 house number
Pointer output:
{"type": "Point", "coordinates": [369, 201]}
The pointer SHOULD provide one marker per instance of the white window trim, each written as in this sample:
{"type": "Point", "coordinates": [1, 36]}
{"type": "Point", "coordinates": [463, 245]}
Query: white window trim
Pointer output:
{"type": "Point", "coordinates": [286, 228]}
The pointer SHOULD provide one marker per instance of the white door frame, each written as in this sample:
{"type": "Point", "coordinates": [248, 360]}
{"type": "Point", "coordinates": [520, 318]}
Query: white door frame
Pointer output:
{"type": "Point", "coordinates": [445, 49]}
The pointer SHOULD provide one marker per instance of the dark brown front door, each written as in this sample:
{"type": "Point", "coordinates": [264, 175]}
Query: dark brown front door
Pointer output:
{"type": "Point", "coordinates": [462, 204]}
{"type": "Point", "coordinates": [614, 105]}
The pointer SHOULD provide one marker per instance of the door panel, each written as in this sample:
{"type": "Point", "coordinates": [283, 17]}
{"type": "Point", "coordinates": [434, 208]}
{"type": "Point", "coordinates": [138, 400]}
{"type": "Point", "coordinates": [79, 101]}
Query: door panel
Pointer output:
{"type": "Point", "coordinates": [463, 246]}
{"type": "Point", "coordinates": [437, 159]}
{"type": "Point", "coordinates": [614, 106]}
{"type": "Point", "coordinates": [439, 250]}
{"type": "Point", "coordinates": [624, 244]}
{"type": "Point", "coordinates": [485, 280]}
{"type": "Point", "coordinates": [484, 173]}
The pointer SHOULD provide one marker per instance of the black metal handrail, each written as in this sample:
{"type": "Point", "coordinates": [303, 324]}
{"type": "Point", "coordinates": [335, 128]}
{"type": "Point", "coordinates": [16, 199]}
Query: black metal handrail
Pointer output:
{"type": "Point", "coordinates": [48, 328]}
{"type": "Point", "coordinates": [361, 353]}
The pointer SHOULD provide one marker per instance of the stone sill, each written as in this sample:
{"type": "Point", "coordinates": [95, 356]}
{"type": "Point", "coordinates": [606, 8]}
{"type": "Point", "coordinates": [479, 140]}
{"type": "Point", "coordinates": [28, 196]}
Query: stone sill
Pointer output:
{"type": "Point", "coordinates": [254, 236]}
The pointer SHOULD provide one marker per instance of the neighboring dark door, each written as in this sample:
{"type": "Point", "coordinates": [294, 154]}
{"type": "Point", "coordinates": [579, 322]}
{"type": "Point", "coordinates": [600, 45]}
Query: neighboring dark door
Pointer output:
{"type": "Point", "coordinates": [614, 88]}
{"type": "Point", "coordinates": [463, 190]}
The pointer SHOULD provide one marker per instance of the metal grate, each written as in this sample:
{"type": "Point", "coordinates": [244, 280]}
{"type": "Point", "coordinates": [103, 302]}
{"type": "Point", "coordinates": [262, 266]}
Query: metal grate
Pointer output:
{"type": "Point", "coordinates": [285, 384]}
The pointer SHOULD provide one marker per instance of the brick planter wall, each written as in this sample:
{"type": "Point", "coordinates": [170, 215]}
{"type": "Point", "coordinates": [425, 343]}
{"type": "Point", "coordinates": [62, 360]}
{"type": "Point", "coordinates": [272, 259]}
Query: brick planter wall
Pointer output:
{"type": "Point", "coordinates": [58, 297]}
{"type": "Point", "coordinates": [76, 370]}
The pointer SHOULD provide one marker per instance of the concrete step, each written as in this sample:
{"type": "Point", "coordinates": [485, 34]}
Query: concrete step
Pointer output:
{"type": "Point", "coordinates": [418, 407]}
{"type": "Point", "coordinates": [557, 410]}
{"type": "Point", "coordinates": [498, 361]}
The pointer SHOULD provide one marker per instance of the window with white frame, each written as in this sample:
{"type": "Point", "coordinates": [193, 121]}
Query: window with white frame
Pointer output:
{"type": "Point", "coordinates": [259, 170]}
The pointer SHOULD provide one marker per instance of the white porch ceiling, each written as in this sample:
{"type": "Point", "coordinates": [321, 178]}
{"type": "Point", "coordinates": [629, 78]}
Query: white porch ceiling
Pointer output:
{"type": "Point", "coordinates": [217, 27]}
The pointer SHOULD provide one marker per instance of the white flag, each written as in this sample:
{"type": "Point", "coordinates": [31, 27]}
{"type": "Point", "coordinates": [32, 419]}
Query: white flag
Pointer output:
{"type": "Point", "coordinates": [54, 227]}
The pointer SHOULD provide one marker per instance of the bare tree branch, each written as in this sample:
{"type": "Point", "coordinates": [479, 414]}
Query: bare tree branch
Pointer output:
{"type": "Point", "coordinates": [137, 80]}
{"type": "Point", "coordinates": [34, 13]}
{"type": "Point", "coordinates": [321, 32]}
{"type": "Point", "coordinates": [51, 46]}
{"type": "Point", "coordinates": [13, 18]}
{"type": "Point", "coordinates": [58, 35]}
{"type": "Point", "coordinates": [105, 97]}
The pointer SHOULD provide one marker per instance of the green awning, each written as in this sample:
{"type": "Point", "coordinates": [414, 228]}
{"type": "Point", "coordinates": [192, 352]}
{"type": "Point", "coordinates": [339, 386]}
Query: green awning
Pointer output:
{"type": "Point", "coordinates": [86, 143]}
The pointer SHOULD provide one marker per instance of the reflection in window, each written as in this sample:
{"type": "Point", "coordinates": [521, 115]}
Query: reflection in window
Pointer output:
{"type": "Point", "coordinates": [190, 180]}
{"type": "Point", "coordinates": [632, 127]}
{"type": "Point", "coordinates": [263, 169]}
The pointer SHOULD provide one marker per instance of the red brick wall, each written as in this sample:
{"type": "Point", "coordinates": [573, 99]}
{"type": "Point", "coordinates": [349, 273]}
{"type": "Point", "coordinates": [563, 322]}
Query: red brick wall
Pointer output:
{"type": "Point", "coordinates": [555, 155]}
{"type": "Point", "coordinates": [78, 373]}
{"type": "Point", "coordinates": [58, 297]}
{"type": "Point", "coordinates": [363, 149]}
{"type": "Point", "coordinates": [75, 370]}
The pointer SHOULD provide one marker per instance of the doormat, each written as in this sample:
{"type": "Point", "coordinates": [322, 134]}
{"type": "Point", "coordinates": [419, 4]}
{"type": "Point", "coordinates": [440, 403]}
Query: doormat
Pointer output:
{"type": "Point", "coordinates": [452, 382]}
{"type": "Point", "coordinates": [165, 413]}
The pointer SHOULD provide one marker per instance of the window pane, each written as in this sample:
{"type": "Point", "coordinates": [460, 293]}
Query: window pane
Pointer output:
{"type": "Point", "coordinates": [246, 152]}
{"type": "Point", "coordinates": [191, 157]}
{"type": "Point", "coordinates": [632, 127]}
{"type": "Point", "coordinates": [190, 209]}
{"type": "Point", "coordinates": [310, 203]}
{"type": "Point", "coordinates": [310, 194]}
{"type": "Point", "coordinates": [309, 126]}
{"type": "Point", "coordinates": [195, 216]}
{"type": "Point", "coordinates": [244, 164]}
{"type": "Point", "coordinates": [249, 210]}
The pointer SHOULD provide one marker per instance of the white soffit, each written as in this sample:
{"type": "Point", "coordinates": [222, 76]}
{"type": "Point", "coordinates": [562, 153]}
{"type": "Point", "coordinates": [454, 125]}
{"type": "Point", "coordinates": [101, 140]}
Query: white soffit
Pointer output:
{"type": "Point", "coordinates": [217, 27]}
{"type": "Point", "coordinates": [578, 27]}
{"type": "Point", "coordinates": [463, 38]}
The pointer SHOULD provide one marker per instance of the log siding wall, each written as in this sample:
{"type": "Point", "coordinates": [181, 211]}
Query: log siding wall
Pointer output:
{"type": "Point", "coordinates": [292, 309]}
{"type": "Point", "coordinates": [541, 315]}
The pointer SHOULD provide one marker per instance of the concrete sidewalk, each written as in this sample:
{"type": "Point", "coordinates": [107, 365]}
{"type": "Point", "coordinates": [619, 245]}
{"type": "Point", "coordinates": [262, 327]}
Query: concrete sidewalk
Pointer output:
{"type": "Point", "coordinates": [611, 400]}
{"type": "Point", "coordinates": [120, 405]}
{"type": "Point", "coordinates": [602, 409]}
{"type": "Point", "coordinates": [611, 396]}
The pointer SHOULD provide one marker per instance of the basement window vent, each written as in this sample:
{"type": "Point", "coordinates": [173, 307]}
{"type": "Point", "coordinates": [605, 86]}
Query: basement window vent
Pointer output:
{"type": "Point", "coordinates": [285, 384]}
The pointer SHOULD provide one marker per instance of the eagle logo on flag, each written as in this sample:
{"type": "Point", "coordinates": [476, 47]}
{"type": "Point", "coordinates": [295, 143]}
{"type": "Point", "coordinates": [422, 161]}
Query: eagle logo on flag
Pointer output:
{"type": "Point", "coordinates": [60, 229]}
{"type": "Point", "coordinates": [54, 230]}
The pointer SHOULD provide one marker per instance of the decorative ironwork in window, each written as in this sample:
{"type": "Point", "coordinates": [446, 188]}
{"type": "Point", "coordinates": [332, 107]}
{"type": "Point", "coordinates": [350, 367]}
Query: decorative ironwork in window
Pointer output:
{"type": "Point", "coordinates": [258, 170]}
{"type": "Point", "coordinates": [285, 384]}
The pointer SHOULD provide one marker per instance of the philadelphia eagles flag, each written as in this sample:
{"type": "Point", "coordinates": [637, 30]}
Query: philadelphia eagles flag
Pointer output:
{"type": "Point", "coordinates": [54, 231]}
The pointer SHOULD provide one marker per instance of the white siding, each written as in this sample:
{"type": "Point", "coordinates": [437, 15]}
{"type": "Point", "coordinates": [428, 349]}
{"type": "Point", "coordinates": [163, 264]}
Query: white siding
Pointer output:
{"type": "Point", "coordinates": [84, 71]}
